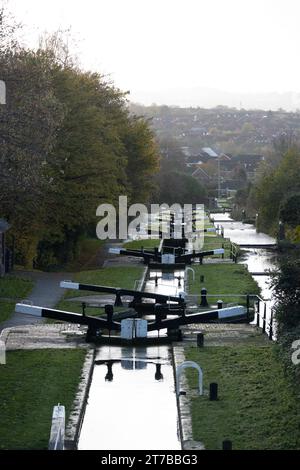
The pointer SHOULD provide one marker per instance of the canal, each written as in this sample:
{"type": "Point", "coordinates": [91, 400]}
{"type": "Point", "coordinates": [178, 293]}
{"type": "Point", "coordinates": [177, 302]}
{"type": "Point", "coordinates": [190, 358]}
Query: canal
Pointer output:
{"type": "Point", "coordinates": [258, 260]}
{"type": "Point", "coordinates": [132, 402]}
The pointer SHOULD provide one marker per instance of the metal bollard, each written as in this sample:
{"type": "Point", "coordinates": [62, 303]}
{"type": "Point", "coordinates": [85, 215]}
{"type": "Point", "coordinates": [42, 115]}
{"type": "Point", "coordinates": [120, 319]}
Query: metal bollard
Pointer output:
{"type": "Point", "coordinates": [203, 297]}
{"type": "Point", "coordinates": [200, 340]}
{"type": "Point", "coordinates": [213, 391]}
{"type": "Point", "coordinates": [220, 304]}
{"type": "Point", "coordinates": [227, 445]}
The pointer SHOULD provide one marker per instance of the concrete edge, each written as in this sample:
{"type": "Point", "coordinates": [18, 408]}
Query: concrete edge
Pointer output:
{"type": "Point", "coordinates": [75, 420]}
{"type": "Point", "coordinates": [184, 405]}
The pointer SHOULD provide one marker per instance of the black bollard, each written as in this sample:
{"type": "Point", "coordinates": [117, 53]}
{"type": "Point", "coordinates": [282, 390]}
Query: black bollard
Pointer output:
{"type": "Point", "coordinates": [118, 300]}
{"type": "Point", "coordinates": [200, 340]}
{"type": "Point", "coordinates": [220, 304]}
{"type": "Point", "coordinates": [227, 445]}
{"type": "Point", "coordinates": [213, 391]}
{"type": "Point", "coordinates": [203, 297]}
{"type": "Point", "coordinates": [83, 305]}
{"type": "Point", "coordinates": [109, 310]}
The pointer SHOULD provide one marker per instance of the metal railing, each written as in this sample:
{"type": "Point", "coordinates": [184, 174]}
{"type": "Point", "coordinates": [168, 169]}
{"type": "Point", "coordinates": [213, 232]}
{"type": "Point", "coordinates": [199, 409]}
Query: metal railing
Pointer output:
{"type": "Point", "coordinates": [264, 317]}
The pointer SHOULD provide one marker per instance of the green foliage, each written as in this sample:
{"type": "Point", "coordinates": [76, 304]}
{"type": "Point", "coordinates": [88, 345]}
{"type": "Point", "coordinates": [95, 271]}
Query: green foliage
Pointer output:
{"type": "Point", "coordinates": [274, 189]}
{"type": "Point", "coordinates": [68, 144]}
{"type": "Point", "coordinates": [176, 187]}
{"type": "Point", "coordinates": [287, 294]}
{"type": "Point", "coordinates": [290, 210]}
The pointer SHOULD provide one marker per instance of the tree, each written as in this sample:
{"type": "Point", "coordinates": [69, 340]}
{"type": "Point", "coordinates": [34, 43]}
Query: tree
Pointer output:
{"type": "Point", "coordinates": [287, 293]}
{"type": "Point", "coordinates": [176, 187]}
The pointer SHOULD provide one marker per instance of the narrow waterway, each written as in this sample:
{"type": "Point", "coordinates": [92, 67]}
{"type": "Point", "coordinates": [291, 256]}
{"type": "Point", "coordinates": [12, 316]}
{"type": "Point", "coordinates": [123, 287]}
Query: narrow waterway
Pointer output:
{"type": "Point", "coordinates": [258, 260]}
{"type": "Point", "coordinates": [132, 401]}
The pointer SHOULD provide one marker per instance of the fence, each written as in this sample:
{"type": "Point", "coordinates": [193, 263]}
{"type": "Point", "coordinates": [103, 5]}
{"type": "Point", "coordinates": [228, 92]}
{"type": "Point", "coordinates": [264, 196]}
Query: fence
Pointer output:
{"type": "Point", "coordinates": [258, 310]}
{"type": "Point", "coordinates": [264, 317]}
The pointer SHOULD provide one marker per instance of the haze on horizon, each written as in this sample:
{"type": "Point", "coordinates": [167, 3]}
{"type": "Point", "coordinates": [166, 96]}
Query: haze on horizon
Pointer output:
{"type": "Point", "coordinates": [181, 52]}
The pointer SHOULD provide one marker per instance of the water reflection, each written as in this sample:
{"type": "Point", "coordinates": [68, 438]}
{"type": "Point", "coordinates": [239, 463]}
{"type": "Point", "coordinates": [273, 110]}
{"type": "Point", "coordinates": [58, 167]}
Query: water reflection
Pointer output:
{"type": "Point", "coordinates": [132, 401]}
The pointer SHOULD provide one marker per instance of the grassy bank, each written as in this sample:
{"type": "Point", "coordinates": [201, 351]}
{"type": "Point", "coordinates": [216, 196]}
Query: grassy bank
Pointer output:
{"type": "Point", "coordinates": [31, 383]}
{"type": "Point", "coordinates": [138, 244]}
{"type": "Point", "coordinates": [12, 289]}
{"type": "Point", "coordinates": [221, 280]}
{"type": "Point", "coordinates": [117, 276]}
{"type": "Point", "coordinates": [257, 407]}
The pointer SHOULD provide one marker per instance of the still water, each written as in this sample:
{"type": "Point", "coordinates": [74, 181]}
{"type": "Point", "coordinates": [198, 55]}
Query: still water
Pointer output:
{"type": "Point", "coordinates": [258, 260]}
{"type": "Point", "coordinates": [242, 234]}
{"type": "Point", "coordinates": [132, 401]}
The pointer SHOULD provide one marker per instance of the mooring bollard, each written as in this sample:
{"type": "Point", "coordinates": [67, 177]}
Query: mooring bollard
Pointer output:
{"type": "Point", "coordinates": [204, 297]}
{"type": "Point", "coordinates": [200, 340]}
{"type": "Point", "coordinates": [227, 445]}
{"type": "Point", "coordinates": [248, 307]}
{"type": "Point", "coordinates": [118, 301]}
{"type": "Point", "coordinates": [220, 304]}
{"type": "Point", "coordinates": [109, 310]}
{"type": "Point", "coordinates": [213, 391]}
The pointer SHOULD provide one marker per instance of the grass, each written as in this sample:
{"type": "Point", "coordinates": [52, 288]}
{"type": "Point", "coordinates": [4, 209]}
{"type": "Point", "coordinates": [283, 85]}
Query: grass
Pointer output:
{"type": "Point", "coordinates": [122, 276]}
{"type": "Point", "coordinates": [12, 289]}
{"type": "Point", "coordinates": [257, 406]}
{"type": "Point", "coordinates": [138, 244]}
{"type": "Point", "coordinates": [31, 383]}
{"type": "Point", "coordinates": [6, 309]}
{"type": "Point", "coordinates": [117, 276]}
{"type": "Point", "coordinates": [223, 279]}
{"type": "Point", "coordinates": [212, 242]}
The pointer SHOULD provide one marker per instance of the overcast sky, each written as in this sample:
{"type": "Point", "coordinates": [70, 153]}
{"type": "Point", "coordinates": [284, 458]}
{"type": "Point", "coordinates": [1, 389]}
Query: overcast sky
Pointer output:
{"type": "Point", "coordinates": [152, 47]}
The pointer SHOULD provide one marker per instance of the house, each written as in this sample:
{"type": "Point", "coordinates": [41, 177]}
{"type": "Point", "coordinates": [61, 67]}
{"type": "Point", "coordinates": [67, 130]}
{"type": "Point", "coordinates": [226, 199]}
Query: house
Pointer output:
{"type": "Point", "coordinates": [4, 252]}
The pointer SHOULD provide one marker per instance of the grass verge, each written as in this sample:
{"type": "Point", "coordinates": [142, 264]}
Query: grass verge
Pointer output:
{"type": "Point", "coordinates": [257, 406]}
{"type": "Point", "coordinates": [31, 383]}
{"type": "Point", "coordinates": [221, 280]}
{"type": "Point", "coordinates": [117, 276]}
{"type": "Point", "coordinates": [12, 289]}
{"type": "Point", "coordinates": [123, 276]}
{"type": "Point", "coordinates": [138, 244]}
